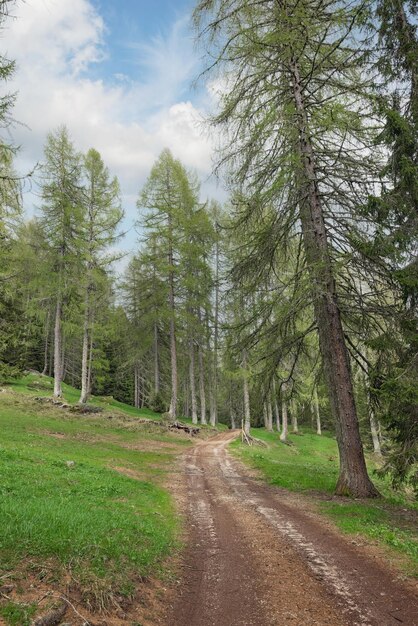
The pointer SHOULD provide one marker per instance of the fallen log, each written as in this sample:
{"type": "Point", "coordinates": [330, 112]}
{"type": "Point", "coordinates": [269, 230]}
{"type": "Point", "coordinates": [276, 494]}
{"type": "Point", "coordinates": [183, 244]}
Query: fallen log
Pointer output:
{"type": "Point", "coordinates": [191, 430]}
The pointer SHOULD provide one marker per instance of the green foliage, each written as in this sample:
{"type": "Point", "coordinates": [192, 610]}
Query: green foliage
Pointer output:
{"type": "Point", "coordinates": [393, 244]}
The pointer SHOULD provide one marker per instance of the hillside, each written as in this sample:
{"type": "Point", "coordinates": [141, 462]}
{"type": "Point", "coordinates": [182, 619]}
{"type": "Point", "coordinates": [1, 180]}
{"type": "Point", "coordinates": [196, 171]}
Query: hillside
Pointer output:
{"type": "Point", "coordinates": [85, 507]}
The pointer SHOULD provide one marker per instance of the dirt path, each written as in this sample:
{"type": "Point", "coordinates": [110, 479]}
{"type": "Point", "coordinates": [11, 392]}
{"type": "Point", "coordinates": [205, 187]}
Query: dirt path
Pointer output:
{"type": "Point", "coordinates": [254, 560]}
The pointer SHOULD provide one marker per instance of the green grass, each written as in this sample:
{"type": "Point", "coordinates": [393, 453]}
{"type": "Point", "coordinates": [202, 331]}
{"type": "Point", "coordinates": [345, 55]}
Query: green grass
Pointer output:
{"type": "Point", "coordinates": [18, 614]}
{"type": "Point", "coordinates": [310, 465]}
{"type": "Point", "coordinates": [43, 386]}
{"type": "Point", "coordinates": [63, 502]}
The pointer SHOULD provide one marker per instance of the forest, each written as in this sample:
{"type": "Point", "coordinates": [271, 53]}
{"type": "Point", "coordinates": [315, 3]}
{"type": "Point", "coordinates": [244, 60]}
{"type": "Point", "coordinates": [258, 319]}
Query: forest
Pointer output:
{"type": "Point", "coordinates": [292, 305]}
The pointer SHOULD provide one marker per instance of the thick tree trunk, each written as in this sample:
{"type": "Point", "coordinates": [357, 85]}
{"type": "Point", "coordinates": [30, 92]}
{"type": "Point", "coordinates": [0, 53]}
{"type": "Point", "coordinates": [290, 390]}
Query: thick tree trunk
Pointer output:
{"type": "Point", "coordinates": [246, 389]}
{"type": "Point", "coordinates": [317, 413]}
{"type": "Point", "coordinates": [192, 381]}
{"type": "Point", "coordinates": [353, 478]}
{"type": "Point", "coordinates": [58, 350]}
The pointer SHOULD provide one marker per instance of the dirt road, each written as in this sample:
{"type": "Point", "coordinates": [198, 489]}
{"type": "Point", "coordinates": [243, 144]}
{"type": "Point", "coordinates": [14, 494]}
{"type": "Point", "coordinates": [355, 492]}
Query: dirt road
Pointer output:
{"type": "Point", "coordinates": [253, 560]}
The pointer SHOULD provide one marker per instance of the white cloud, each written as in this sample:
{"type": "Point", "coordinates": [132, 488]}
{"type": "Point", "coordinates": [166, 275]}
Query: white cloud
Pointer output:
{"type": "Point", "coordinates": [55, 42]}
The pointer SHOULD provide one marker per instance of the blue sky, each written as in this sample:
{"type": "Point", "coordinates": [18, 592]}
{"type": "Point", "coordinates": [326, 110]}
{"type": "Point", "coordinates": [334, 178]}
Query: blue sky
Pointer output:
{"type": "Point", "coordinates": [133, 22]}
{"type": "Point", "coordinates": [118, 75]}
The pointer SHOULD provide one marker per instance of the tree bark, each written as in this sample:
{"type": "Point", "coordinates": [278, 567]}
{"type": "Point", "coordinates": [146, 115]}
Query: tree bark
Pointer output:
{"type": "Point", "coordinates": [85, 355]}
{"type": "Point", "coordinates": [156, 362]}
{"type": "Point", "coordinates": [374, 426]}
{"type": "Point", "coordinates": [269, 416]}
{"type": "Point", "coordinates": [173, 344]}
{"type": "Point", "coordinates": [276, 407]}
{"type": "Point", "coordinates": [192, 381]}
{"type": "Point", "coordinates": [295, 427]}
{"type": "Point", "coordinates": [202, 385]}
{"type": "Point", "coordinates": [46, 348]}
{"type": "Point", "coordinates": [283, 434]}
{"type": "Point", "coordinates": [317, 413]}
{"type": "Point", "coordinates": [265, 418]}
{"type": "Point", "coordinates": [214, 409]}
{"type": "Point", "coordinates": [90, 361]}
{"type": "Point", "coordinates": [353, 478]}
{"type": "Point", "coordinates": [58, 350]}
{"type": "Point", "coordinates": [247, 414]}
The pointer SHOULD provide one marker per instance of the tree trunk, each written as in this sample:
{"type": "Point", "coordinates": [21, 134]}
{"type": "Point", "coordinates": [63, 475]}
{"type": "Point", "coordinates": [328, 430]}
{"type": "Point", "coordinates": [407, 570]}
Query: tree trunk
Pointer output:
{"type": "Point", "coordinates": [192, 381]}
{"type": "Point", "coordinates": [173, 345]}
{"type": "Point", "coordinates": [46, 345]}
{"type": "Point", "coordinates": [58, 350]}
{"type": "Point", "coordinates": [295, 428]}
{"type": "Point", "coordinates": [85, 353]}
{"type": "Point", "coordinates": [265, 418]}
{"type": "Point", "coordinates": [374, 427]}
{"type": "Point", "coordinates": [214, 408]}
{"type": "Point", "coordinates": [247, 414]}
{"type": "Point", "coordinates": [269, 416]}
{"type": "Point", "coordinates": [353, 478]}
{"type": "Point", "coordinates": [276, 407]}
{"type": "Point", "coordinates": [317, 413]}
{"type": "Point", "coordinates": [90, 362]}
{"type": "Point", "coordinates": [156, 362]}
{"type": "Point", "coordinates": [136, 393]}
{"type": "Point", "coordinates": [202, 385]}
{"type": "Point", "coordinates": [283, 434]}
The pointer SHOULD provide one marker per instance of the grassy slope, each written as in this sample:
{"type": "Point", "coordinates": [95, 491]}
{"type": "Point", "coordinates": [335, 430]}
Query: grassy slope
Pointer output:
{"type": "Point", "coordinates": [311, 465]}
{"type": "Point", "coordinates": [107, 528]}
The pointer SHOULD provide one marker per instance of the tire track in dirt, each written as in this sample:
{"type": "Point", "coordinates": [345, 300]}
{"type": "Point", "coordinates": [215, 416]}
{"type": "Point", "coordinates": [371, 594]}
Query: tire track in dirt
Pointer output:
{"type": "Point", "coordinates": [253, 560]}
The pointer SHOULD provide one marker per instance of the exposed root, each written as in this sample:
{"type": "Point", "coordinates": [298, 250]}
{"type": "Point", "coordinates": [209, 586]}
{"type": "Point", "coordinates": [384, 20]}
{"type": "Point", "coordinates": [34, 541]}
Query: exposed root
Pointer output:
{"type": "Point", "coordinates": [252, 441]}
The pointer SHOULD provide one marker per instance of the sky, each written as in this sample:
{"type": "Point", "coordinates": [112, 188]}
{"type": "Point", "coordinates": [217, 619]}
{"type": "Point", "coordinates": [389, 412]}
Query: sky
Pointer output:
{"type": "Point", "coordinates": [119, 75]}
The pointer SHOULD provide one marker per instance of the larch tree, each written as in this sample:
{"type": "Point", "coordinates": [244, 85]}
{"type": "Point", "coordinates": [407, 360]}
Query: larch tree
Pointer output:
{"type": "Point", "coordinates": [61, 220]}
{"type": "Point", "coordinates": [166, 196]}
{"type": "Point", "coordinates": [292, 100]}
{"type": "Point", "coordinates": [102, 216]}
